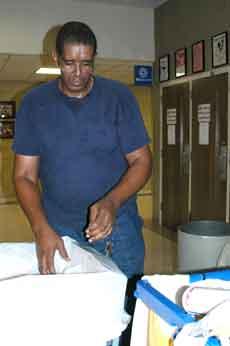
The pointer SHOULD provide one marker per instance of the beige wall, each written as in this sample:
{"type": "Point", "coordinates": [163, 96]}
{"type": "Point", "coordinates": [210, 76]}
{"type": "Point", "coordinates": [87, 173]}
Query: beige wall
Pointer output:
{"type": "Point", "coordinates": [144, 96]}
{"type": "Point", "coordinates": [7, 193]}
{"type": "Point", "coordinates": [123, 31]}
{"type": "Point", "coordinates": [180, 23]}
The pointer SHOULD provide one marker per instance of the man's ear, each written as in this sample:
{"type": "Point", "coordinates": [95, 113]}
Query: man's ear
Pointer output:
{"type": "Point", "coordinates": [55, 57]}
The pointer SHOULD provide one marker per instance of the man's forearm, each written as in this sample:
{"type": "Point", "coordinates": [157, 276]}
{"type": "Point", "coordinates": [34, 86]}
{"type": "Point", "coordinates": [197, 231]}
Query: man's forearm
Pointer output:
{"type": "Point", "coordinates": [133, 180]}
{"type": "Point", "coordinates": [29, 198]}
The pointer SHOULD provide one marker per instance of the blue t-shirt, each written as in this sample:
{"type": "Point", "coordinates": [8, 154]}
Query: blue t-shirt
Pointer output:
{"type": "Point", "coordinates": [81, 143]}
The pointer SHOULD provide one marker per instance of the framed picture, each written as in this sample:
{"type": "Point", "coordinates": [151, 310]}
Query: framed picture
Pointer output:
{"type": "Point", "coordinates": [7, 110]}
{"type": "Point", "coordinates": [7, 129]}
{"type": "Point", "coordinates": [198, 57]}
{"type": "Point", "coordinates": [180, 62]}
{"type": "Point", "coordinates": [7, 119]}
{"type": "Point", "coordinates": [220, 49]}
{"type": "Point", "coordinates": [164, 68]}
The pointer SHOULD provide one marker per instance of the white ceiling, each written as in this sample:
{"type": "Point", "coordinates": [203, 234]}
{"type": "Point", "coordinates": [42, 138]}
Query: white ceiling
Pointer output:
{"type": "Point", "coordinates": [17, 72]}
{"type": "Point", "coordinates": [136, 3]}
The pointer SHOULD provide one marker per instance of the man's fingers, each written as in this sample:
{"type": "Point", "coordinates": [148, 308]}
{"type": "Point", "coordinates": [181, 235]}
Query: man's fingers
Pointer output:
{"type": "Point", "coordinates": [100, 234]}
{"type": "Point", "coordinates": [51, 268]}
{"type": "Point", "coordinates": [62, 251]}
{"type": "Point", "coordinates": [46, 263]}
{"type": "Point", "coordinates": [108, 229]}
{"type": "Point", "coordinates": [100, 223]}
{"type": "Point", "coordinates": [93, 211]}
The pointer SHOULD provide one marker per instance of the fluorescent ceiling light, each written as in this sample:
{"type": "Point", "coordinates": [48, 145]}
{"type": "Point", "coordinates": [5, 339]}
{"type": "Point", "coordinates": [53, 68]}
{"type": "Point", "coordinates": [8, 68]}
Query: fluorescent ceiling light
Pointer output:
{"type": "Point", "coordinates": [48, 70]}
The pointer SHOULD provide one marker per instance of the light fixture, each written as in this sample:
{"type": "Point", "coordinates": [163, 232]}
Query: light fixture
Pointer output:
{"type": "Point", "coordinates": [48, 70]}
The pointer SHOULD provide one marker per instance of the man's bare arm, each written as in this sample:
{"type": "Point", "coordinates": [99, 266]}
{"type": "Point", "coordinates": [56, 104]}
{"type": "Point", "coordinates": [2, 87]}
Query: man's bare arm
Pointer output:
{"type": "Point", "coordinates": [102, 213]}
{"type": "Point", "coordinates": [27, 190]}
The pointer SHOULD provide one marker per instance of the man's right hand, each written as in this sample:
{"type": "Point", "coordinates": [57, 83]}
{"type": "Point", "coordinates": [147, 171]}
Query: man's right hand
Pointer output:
{"type": "Point", "coordinates": [47, 242]}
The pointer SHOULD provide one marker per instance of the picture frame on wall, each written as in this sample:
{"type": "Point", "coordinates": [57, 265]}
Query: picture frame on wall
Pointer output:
{"type": "Point", "coordinates": [198, 57]}
{"type": "Point", "coordinates": [164, 68]}
{"type": "Point", "coordinates": [180, 62]}
{"type": "Point", "coordinates": [220, 49]}
{"type": "Point", "coordinates": [7, 119]}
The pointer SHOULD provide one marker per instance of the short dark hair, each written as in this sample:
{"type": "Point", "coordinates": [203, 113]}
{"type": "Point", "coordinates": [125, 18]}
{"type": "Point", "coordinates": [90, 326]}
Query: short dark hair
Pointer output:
{"type": "Point", "coordinates": [75, 32]}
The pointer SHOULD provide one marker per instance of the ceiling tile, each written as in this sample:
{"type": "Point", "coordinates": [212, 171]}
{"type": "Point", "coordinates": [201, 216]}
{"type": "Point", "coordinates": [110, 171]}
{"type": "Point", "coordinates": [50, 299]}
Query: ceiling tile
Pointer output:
{"type": "Point", "coordinates": [20, 67]}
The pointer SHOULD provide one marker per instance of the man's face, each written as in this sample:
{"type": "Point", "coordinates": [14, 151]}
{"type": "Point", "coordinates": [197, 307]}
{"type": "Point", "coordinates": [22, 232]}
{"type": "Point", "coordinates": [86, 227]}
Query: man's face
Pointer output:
{"type": "Point", "coordinates": [76, 66]}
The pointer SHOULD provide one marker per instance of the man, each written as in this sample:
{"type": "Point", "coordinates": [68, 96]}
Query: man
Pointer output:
{"type": "Point", "coordinates": [83, 137]}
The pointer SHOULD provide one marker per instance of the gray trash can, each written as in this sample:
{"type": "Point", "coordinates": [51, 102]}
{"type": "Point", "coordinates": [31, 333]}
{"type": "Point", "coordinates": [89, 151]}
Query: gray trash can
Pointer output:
{"type": "Point", "coordinates": [199, 244]}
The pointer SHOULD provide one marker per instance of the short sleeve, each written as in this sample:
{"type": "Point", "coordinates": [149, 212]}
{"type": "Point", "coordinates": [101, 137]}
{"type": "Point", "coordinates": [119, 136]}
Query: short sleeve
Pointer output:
{"type": "Point", "coordinates": [131, 129]}
{"type": "Point", "coordinates": [25, 139]}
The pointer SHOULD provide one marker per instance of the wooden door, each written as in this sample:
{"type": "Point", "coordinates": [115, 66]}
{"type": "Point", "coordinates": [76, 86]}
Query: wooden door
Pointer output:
{"type": "Point", "coordinates": [209, 148]}
{"type": "Point", "coordinates": [175, 155]}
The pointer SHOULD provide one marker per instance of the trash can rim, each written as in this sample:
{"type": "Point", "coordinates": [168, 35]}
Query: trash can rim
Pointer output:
{"type": "Point", "coordinates": [209, 228]}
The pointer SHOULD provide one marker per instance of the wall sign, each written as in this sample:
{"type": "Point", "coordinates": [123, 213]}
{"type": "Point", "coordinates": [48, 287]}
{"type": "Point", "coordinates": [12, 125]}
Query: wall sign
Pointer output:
{"type": "Point", "coordinates": [143, 74]}
{"type": "Point", "coordinates": [171, 126]}
{"type": "Point", "coordinates": [204, 118]}
{"type": "Point", "coordinates": [220, 49]}
{"type": "Point", "coordinates": [164, 68]}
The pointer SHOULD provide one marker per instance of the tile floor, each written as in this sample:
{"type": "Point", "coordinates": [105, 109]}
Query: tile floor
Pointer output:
{"type": "Point", "coordinates": [160, 243]}
{"type": "Point", "coordinates": [161, 250]}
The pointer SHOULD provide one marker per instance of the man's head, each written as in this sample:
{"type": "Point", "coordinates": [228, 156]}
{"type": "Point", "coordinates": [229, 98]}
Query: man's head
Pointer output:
{"type": "Point", "coordinates": [76, 47]}
{"type": "Point", "coordinates": [75, 32]}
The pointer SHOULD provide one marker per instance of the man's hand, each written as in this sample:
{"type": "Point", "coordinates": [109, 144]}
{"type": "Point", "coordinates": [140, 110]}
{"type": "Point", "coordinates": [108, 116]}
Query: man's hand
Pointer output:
{"type": "Point", "coordinates": [101, 219]}
{"type": "Point", "coordinates": [48, 242]}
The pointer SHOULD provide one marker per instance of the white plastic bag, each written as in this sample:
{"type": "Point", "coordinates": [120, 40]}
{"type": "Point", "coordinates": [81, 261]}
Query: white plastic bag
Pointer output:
{"type": "Point", "coordinates": [224, 257]}
{"type": "Point", "coordinates": [82, 305]}
{"type": "Point", "coordinates": [20, 259]}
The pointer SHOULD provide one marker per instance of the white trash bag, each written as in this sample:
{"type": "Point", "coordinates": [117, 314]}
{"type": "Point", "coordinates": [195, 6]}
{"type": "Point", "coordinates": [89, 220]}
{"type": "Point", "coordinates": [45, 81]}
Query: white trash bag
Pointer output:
{"type": "Point", "coordinates": [82, 305]}
{"type": "Point", "coordinates": [20, 259]}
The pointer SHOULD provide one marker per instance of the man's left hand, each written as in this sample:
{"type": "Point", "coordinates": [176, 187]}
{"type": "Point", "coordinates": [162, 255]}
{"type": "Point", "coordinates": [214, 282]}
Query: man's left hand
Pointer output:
{"type": "Point", "coordinates": [101, 219]}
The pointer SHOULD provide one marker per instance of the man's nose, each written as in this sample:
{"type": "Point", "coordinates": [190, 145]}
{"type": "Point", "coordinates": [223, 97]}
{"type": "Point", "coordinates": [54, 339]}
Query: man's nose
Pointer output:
{"type": "Point", "coordinates": [77, 68]}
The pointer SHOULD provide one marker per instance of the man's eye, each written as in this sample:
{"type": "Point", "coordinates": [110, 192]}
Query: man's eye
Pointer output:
{"type": "Point", "coordinates": [87, 64]}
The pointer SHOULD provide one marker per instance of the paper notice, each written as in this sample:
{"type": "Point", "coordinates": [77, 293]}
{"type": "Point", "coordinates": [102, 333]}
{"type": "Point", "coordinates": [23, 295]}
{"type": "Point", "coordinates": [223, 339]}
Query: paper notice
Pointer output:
{"type": "Point", "coordinates": [204, 117]}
